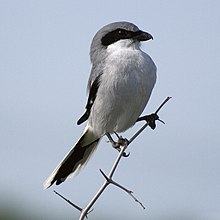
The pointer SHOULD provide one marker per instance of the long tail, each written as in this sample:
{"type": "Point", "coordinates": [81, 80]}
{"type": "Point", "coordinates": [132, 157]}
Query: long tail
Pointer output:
{"type": "Point", "coordinates": [75, 160]}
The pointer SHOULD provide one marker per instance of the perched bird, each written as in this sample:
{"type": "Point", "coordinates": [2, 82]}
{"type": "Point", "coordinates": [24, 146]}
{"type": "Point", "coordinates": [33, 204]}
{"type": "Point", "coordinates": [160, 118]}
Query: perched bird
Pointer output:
{"type": "Point", "coordinates": [119, 87]}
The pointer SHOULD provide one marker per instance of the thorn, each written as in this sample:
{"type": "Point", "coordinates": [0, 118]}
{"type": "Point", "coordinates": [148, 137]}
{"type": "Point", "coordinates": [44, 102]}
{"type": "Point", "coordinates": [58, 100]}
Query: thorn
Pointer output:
{"type": "Point", "coordinates": [90, 211]}
{"type": "Point", "coordinates": [68, 201]}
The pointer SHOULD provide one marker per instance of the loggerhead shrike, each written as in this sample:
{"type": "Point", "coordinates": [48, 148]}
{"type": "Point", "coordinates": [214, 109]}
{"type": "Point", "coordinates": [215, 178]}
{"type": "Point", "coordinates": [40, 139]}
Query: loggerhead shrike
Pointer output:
{"type": "Point", "coordinates": [119, 87]}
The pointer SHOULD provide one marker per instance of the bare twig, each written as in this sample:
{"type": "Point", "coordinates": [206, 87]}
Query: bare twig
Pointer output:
{"type": "Point", "coordinates": [164, 102]}
{"type": "Point", "coordinates": [108, 178]}
{"type": "Point", "coordinates": [105, 184]}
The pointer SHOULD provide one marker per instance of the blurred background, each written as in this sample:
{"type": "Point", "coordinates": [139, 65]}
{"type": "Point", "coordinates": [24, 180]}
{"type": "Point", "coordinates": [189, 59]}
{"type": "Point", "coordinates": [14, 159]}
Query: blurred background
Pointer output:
{"type": "Point", "coordinates": [44, 67]}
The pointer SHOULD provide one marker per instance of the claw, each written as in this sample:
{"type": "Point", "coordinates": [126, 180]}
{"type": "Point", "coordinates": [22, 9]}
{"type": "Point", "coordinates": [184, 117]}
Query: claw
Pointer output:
{"type": "Point", "coordinates": [126, 155]}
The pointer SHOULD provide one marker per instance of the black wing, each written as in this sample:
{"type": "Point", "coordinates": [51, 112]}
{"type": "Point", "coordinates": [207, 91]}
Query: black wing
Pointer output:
{"type": "Point", "coordinates": [91, 99]}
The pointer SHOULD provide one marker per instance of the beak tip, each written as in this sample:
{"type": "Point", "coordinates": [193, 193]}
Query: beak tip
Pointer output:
{"type": "Point", "coordinates": [150, 37]}
{"type": "Point", "coordinates": [147, 36]}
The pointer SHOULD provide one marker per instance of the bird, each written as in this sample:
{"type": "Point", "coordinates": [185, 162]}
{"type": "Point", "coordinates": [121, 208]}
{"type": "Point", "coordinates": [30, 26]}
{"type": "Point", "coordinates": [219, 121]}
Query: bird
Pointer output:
{"type": "Point", "coordinates": [119, 86]}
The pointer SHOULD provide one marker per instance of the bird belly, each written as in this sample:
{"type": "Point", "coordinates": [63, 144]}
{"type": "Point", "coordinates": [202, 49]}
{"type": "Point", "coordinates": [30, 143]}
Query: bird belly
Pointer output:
{"type": "Point", "coordinates": [124, 91]}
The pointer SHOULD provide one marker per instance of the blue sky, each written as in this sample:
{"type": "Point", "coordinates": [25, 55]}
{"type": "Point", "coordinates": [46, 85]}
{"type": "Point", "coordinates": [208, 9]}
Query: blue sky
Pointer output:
{"type": "Point", "coordinates": [44, 53]}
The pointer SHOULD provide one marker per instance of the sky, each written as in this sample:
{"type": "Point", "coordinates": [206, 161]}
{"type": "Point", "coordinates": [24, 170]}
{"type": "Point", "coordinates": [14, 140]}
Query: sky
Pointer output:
{"type": "Point", "coordinates": [44, 52]}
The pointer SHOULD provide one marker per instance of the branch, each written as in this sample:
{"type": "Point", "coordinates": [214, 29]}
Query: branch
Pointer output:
{"type": "Point", "coordinates": [123, 143]}
{"type": "Point", "coordinates": [146, 124]}
{"type": "Point", "coordinates": [106, 183]}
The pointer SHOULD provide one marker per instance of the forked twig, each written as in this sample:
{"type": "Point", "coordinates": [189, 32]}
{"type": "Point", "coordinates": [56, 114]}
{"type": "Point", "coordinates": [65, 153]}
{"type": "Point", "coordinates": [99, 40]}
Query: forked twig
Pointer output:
{"type": "Point", "coordinates": [108, 178]}
{"type": "Point", "coordinates": [130, 193]}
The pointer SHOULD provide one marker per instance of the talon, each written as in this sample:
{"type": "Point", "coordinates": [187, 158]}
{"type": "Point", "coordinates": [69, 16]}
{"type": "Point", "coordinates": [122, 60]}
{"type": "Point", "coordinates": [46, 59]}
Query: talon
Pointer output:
{"type": "Point", "coordinates": [126, 155]}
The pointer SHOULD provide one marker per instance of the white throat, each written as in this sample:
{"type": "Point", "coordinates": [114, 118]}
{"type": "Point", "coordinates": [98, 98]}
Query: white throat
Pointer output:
{"type": "Point", "coordinates": [123, 45]}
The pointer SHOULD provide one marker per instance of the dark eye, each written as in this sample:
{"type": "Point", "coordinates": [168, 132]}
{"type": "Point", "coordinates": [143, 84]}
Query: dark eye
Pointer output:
{"type": "Point", "coordinates": [122, 33]}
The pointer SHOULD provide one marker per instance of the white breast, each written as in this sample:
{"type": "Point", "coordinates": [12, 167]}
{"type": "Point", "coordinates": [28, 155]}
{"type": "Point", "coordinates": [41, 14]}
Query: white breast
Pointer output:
{"type": "Point", "coordinates": [126, 85]}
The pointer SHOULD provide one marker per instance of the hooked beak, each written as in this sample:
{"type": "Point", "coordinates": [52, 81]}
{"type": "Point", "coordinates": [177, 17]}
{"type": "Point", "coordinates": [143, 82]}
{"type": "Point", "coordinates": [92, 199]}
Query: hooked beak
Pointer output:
{"type": "Point", "coordinates": [142, 36]}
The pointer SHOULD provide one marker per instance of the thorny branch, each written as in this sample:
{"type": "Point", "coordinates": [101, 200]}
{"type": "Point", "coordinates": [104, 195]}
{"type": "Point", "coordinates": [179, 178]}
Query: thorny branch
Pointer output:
{"type": "Point", "coordinates": [108, 178]}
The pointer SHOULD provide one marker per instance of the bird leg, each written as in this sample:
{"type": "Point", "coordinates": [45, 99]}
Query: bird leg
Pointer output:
{"type": "Point", "coordinates": [150, 119]}
{"type": "Point", "coordinates": [117, 145]}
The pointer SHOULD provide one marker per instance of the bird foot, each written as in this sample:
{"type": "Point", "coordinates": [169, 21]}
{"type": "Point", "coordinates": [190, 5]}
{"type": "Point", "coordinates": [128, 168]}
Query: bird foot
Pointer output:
{"type": "Point", "coordinates": [150, 119]}
{"type": "Point", "coordinates": [121, 142]}
{"type": "Point", "coordinates": [117, 145]}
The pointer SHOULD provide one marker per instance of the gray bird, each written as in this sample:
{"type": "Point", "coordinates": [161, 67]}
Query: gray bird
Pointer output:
{"type": "Point", "coordinates": [119, 87]}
